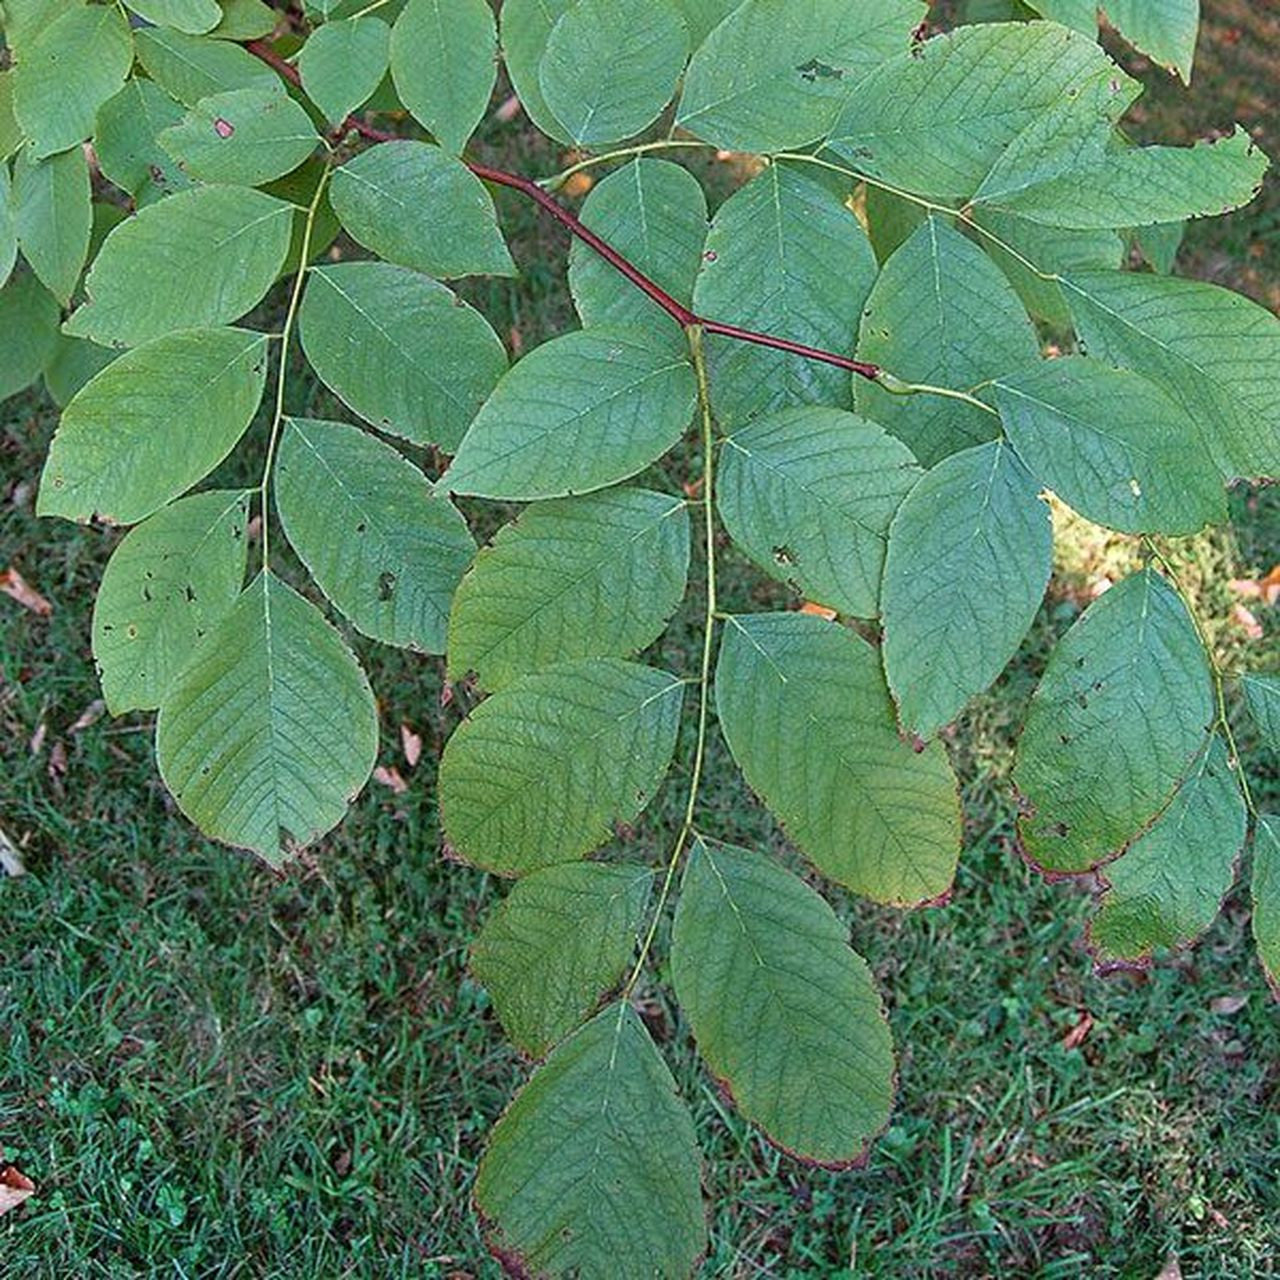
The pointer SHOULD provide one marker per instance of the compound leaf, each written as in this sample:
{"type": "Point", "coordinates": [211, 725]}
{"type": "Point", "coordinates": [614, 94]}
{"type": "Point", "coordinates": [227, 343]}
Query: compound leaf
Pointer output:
{"type": "Point", "coordinates": [774, 73]}
{"type": "Point", "coordinates": [271, 731]}
{"type": "Point", "coordinates": [343, 63]}
{"type": "Point", "coordinates": [1215, 352]}
{"type": "Point", "coordinates": [444, 64]}
{"type": "Point", "coordinates": [168, 583]}
{"type": "Point", "coordinates": [941, 313]}
{"type": "Point", "coordinates": [245, 136]}
{"type": "Point", "coordinates": [363, 519]}
{"type": "Point", "coordinates": [199, 258]}
{"type": "Point", "coordinates": [541, 771]}
{"type": "Point", "coordinates": [970, 552]}
{"type": "Point", "coordinates": [1266, 895]}
{"type": "Point", "coordinates": [808, 494]}
{"type": "Point", "coordinates": [594, 1169]}
{"type": "Point", "coordinates": [580, 412]}
{"type": "Point", "coordinates": [401, 350]}
{"type": "Point", "coordinates": [787, 257]}
{"type": "Point", "coordinates": [556, 943]}
{"type": "Point", "coordinates": [595, 576]}
{"type": "Point", "coordinates": [152, 424]}
{"type": "Point", "coordinates": [194, 67]}
{"type": "Point", "coordinates": [1113, 445]}
{"type": "Point", "coordinates": [1166, 888]}
{"type": "Point", "coordinates": [53, 217]}
{"type": "Point", "coordinates": [379, 195]}
{"type": "Point", "coordinates": [1124, 707]}
{"type": "Point", "coordinates": [786, 1015]}
{"type": "Point", "coordinates": [66, 71]}
{"type": "Point", "coordinates": [804, 707]}
{"type": "Point", "coordinates": [610, 66]}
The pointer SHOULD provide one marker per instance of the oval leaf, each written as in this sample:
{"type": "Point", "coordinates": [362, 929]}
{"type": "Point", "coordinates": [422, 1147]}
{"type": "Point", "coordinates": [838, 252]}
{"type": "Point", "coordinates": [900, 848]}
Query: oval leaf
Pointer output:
{"type": "Point", "coordinates": [195, 67]}
{"type": "Point", "coordinates": [1265, 896]}
{"type": "Point", "coordinates": [343, 63]}
{"type": "Point", "coordinates": [53, 217]}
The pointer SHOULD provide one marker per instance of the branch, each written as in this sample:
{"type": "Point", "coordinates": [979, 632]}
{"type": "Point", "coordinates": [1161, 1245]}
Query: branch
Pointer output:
{"type": "Point", "coordinates": [681, 314]}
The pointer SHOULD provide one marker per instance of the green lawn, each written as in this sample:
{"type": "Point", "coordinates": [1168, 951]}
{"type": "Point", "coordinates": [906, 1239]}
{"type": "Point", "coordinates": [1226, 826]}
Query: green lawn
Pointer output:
{"type": "Point", "coordinates": [213, 1071]}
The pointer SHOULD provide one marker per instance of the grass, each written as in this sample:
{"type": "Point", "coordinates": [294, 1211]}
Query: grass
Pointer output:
{"type": "Point", "coordinates": [213, 1071]}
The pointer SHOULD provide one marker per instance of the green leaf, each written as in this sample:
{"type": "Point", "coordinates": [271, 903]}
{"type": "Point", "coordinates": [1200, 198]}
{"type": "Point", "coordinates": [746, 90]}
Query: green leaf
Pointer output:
{"type": "Point", "coordinates": [559, 940]}
{"type": "Point", "coordinates": [786, 1015]}
{"type": "Point", "coordinates": [655, 214]}
{"type": "Point", "coordinates": [808, 494]}
{"type": "Point", "coordinates": [343, 63]}
{"type": "Point", "coordinates": [1125, 705]}
{"type": "Point", "coordinates": [970, 552]}
{"type": "Point", "coordinates": [787, 257]}
{"type": "Point", "coordinates": [1165, 29]}
{"type": "Point", "coordinates": [580, 412]}
{"type": "Point", "coordinates": [23, 20]}
{"type": "Point", "coordinates": [526, 27]}
{"type": "Point", "coordinates": [72, 363]}
{"type": "Point", "coordinates": [444, 63]}
{"type": "Point", "coordinates": [1266, 896]}
{"type": "Point", "coordinates": [11, 137]}
{"type": "Point", "coordinates": [774, 73]}
{"type": "Point", "coordinates": [1160, 245]}
{"type": "Point", "coordinates": [941, 313]}
{"type": "Point", "coordinates": [126, 141]}
{"type": "Point", "coordinates": [53, 216]}
{"type": "Point", "coordinates": [611, 66]}
{"type": "Point", "coordinates": [540, 772]}
{"type": "Point", "coordinates": [381, 193]}
{"type": "Point", "coordinates": [271, 730]}
{"type": "Point", "coordinates": [399, 349]}
{"type": "Point", "coordinates": [362, 518]}
{"type": "Point", "coordinates": [594, 1169]}
{"type": "Point", "coordinates": [195, 17]}
{"type": "Point", "coordinates": [1215, 352]}
{"type": "Point", "coordinates": [66, 71]}
{"type": "Point", "coordinates": [1166, 888]}
{"type": "Point", "coordinates": [702, 16]}
{"type": "Point", "coordinates": [28, 332]}
{"type": "Point", "coordinates": [246, 136]}
{"type": "Point", "coordinates": [1138, 186]}
{"type": "Point", "coordinates": [934, 121]}
{"type": "Point", "coordinates": [8, 231]}
{"type": "Point", "coordinates": [1112, 445]}
{"type": "Point", "coordinates": [1262, 695]}
{"type": "Point", "coordinates": [1079, 15]}
{"type": "Point", "coordinates": [596, 576]}
{"type": "Point", "coordinates": [167, 585]}
{"type": "Point", "coordinates": [244, 20]}
{"type": "Point", "coordinates": [804, 707]}
{"type": "Point", "coordinates": [193, 67]}
{"type": "Point", "coordinates": [152, 424]}
{"type": "Point", "coordinates": [199, 258]}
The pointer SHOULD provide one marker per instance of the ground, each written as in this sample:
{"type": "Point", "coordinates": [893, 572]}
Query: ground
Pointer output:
{"type": "Point", "coordinates": [214, 1071]}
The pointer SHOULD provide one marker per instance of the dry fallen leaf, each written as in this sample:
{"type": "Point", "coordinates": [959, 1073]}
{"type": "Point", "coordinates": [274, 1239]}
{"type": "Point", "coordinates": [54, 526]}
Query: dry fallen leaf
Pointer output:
{"type": "Point", "coordinates": [1170, 1271]}
{"type": "Point", "coordinates": [14, 585]}
{"type": "Point", "coordinates": [1228, 1004]}
{"type": "Point", "coordinates": [508, 109]}
{"type": "Point", "coordinates": [1245, 620]}
{"type": "Point", "coordinates": [90, 715]}
{"type": "Point", "coordinates": [36, 745]}
{"type": "Point", "coordinates": [412, 745]}
{"type": "Point", "coordinates": [1079, 1033]}
{"type": "Point", "coordinates": [14, 1189]}
{"type": "Point", "coordinates": [389, 776]}
{"type": "Point", "coordinates": [818, 610]}
{"type": "Point", "coordinates": [11, 863]}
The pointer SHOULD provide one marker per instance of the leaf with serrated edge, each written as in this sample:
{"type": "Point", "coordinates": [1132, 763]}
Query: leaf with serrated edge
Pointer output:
{"type": "Point", "coordinates": [271, 731]}
{"type": "Point", "coordinates": [807, 715]}
{"type": "Point", "coordinates": [402, 351]}
{"type": "Point", "coordinates": [580, 412]}
{"type": "Point", "coordinates": [559, 940]}
{"type": "Point", "coordinates": [595, 576]}
{"type": "Point", "coordinates": [1112, 445]}
{"type": "Point", "coordinates": [808, 494]}
{"type": "Point", "coordinates": [1123, 708]}
{"type": "Point", "coordinates": [380, 194]}
{"type": "Point", "coordinates": [201, 257]}
{"type": "Point", "coordinates": [343, 63]}
{"type": "Point", "coordinates": [610, 66]}
{"type": "Point", "coordinates": [1214, 351]}
{"type": "Point", "coordinates": [53, 217]}
{"type": "Point", "coordinates": [1265, 896]}
{"type": "Point", "coordinates": [168, 583]}
{"type": "Point", "coordinates": [363, 519]}
{"type": "Point", "coordinates": [152, 424]}
{"type": "Point", "coordinates": [444, 63]}
{"type": "Point", "coordinates": [594, 1169]}
{"type": "Point", "coordinates": [541, 771]}
{"type": "Point", "coordinates": [1166, 888]}
{"type": "Point", "coordinates": [970, 552]}
{"type": "Point", "coordinates": [774, 73]}
{"type": "Point", "coordinates": [784, 255]}
{"type": "Point", "coordinates": [655, 214]}
{"type": "Point", "coordinates": [784, 1012]}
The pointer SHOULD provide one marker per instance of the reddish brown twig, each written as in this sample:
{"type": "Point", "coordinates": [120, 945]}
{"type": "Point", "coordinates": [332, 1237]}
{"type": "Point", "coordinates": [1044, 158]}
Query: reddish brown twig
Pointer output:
{"type": "Point", "coordinates": [650, 288]}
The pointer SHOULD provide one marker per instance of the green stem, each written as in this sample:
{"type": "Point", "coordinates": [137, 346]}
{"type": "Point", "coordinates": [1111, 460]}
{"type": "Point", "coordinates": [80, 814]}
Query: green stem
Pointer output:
{"type": "Point", "coordinates": [558, 180]}
{"type": "Point", "coordinates": [896, 387]}
{"type": "Point", "coordinates": [291, 315]}
{"type": "Point", "coordinates": [1219, 675]}
{"type": "Point", "coordinates": [711, 612]}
